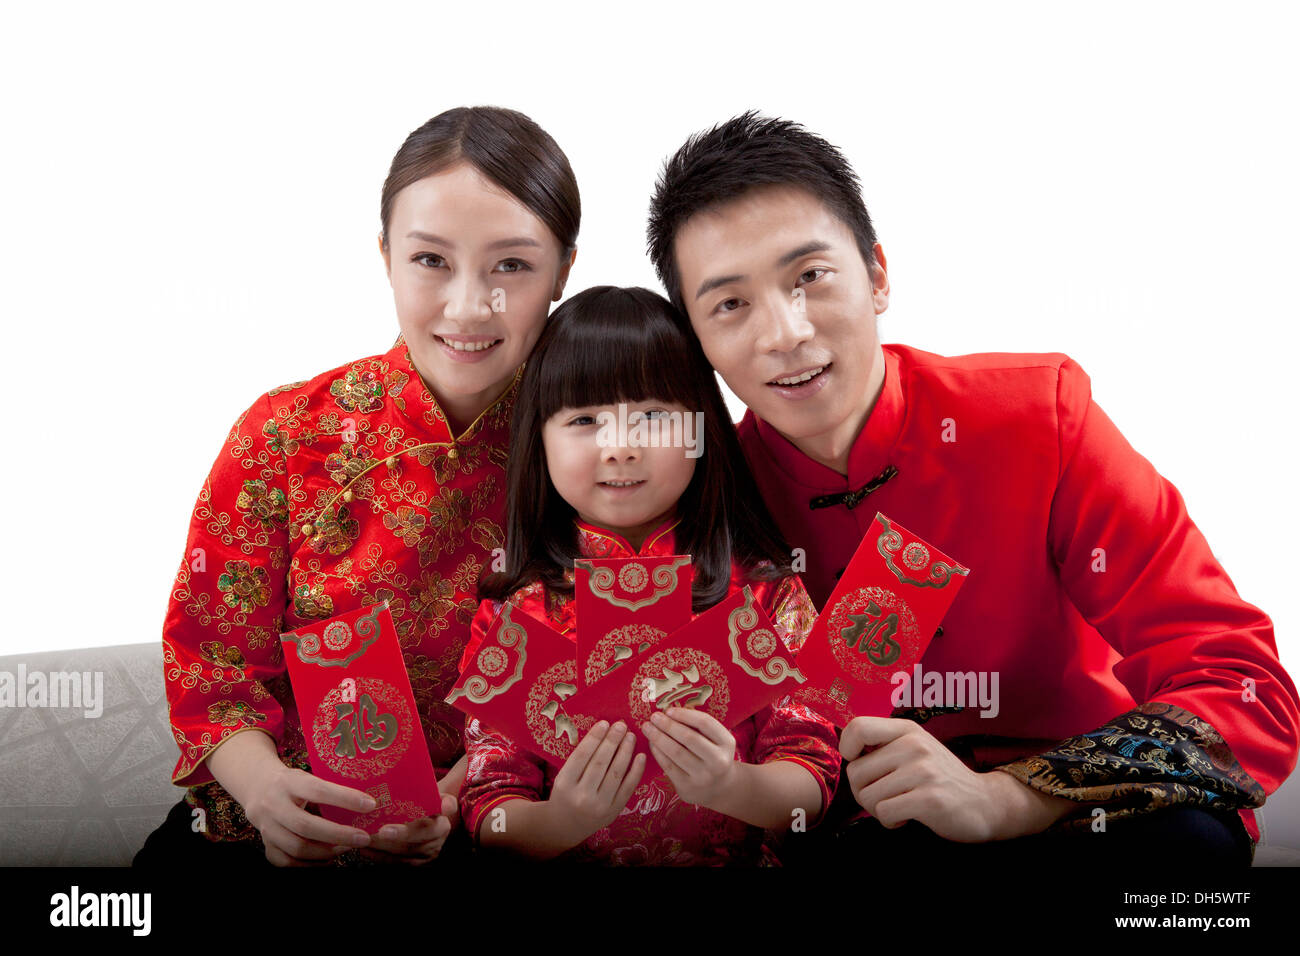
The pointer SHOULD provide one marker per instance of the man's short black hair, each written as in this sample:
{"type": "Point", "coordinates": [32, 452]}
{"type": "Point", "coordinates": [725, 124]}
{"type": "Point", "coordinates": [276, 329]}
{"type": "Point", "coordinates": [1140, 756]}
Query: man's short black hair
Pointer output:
{"type": "Point", "coordinates": [718, 165]}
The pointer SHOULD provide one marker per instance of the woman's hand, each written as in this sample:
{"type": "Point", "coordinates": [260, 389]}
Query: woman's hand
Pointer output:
{"type": "Point", "coordinates": [294, 837]}
{"type": "Point", "coordinates": [696, 752]}
{"type": "Point", "coordinates": [596, 781]}
{"type": "Point", "coordinates": [274, 798]}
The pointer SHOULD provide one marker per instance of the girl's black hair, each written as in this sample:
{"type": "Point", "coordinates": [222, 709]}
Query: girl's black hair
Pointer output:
{"type": "Point", "coordinates": [604, 346]}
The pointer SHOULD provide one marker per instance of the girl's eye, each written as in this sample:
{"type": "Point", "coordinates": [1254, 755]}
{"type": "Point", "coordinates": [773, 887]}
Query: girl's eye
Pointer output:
{"type": "Point", "coordinates": [814, 273]}
{"type": "Point", "coordinates": [583, 420]}
{"type": "Point", "coordinates": [518, 265]}
{"type": "Point", "coordinates": [656, 413]}
{"type": "Point", "coordinates": [424, 256]}
{"type": "Point", "coordinates": [728, 305]}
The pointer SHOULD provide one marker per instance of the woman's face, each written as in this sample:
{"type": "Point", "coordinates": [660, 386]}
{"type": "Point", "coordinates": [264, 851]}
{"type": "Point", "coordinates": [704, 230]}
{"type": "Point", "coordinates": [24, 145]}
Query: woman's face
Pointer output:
{"type": "Point", "coordinates": [473, 272]}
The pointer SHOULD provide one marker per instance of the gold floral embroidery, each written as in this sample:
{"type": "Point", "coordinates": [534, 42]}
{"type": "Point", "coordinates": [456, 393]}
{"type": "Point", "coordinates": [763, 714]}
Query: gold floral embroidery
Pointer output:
{"type": "Point", "coordinates": [348, 462]}
{"type": "Point", "coordinates": [233, 712]}
{"type": "Point", "coordinates": [267, 506]}
{"type": "Point", "coordinates": [334, 532]}
{"type": "Point", "coordinates": [358, 392]}
{"type": "Point", "coordinates": [407, 524]}
{"type": "Point", "coordinates": [311, 601]}
{"type": "Point", "coordinates": [244, 587]}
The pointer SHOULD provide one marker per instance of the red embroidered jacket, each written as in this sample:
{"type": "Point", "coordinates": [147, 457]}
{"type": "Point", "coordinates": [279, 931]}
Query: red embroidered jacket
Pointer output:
{"type": "Point", "coordinates": [329, 495]}
{"type": "Point", "coordinates": [656, 827]}
{"type": "Point", "coordinates": [1092, 594]}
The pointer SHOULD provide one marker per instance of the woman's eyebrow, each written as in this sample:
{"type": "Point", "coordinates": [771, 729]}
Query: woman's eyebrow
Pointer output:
{"type": "Point", "coordinates": [808, 248]}
{"type": "Point", "coordinates": [497, 244]}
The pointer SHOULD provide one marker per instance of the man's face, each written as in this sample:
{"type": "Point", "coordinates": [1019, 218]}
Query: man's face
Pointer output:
{"type": "Point", "coordinates": [785, 310]}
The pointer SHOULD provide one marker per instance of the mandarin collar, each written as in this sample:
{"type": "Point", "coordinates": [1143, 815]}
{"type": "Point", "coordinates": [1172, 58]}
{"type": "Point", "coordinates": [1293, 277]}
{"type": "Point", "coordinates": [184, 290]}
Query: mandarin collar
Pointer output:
{"type": "Point", "coordinates": [870, 453]}
{"type": "Point", "coordinates": [416, 402]}
{"type": "Point", "coordinates": [597, 542]}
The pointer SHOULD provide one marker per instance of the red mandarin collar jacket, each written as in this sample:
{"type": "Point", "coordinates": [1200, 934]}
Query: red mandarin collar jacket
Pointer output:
{"type": "Point", "coordinates": [329, 495]}
{"type": "Point", "coordinates": [1091, 591]}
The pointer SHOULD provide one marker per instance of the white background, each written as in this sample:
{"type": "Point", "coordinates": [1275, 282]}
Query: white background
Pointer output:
{"type": "Point", "coordinates": [191, 207]}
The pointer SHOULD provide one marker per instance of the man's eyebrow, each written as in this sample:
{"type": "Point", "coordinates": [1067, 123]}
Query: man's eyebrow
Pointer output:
{"type": "Point", "coordinates": [807, 249]}
{"type": "Point", "coordinates": [498, 244]}
{"type": "Point", "coordinates": [814, 245]}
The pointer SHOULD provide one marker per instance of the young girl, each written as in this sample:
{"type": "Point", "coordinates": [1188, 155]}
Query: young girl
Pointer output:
{"type": "Point", "coordinates": [571, 494]}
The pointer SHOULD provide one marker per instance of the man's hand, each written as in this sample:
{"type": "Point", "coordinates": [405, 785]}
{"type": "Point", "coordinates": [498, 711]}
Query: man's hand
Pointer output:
{"type": "Point", "coordinates": [898, 772]}
{"type": "Point", "coordinates": [416, 842]}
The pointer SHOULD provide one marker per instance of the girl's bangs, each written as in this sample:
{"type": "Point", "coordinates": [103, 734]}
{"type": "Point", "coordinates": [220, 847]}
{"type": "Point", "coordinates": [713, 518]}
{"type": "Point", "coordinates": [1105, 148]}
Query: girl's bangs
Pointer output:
{"type": "Point", "coordinates": [616, 351]}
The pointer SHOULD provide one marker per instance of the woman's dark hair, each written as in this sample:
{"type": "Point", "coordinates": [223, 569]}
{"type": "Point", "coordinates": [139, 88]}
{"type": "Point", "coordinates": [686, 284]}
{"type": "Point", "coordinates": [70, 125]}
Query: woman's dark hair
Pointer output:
{"type": "Point", "coordinates": [719, 164]}
{"type": "Point", "coordinates": [505, 146]}
{"type": "Point", "coordinates": [604, 346]}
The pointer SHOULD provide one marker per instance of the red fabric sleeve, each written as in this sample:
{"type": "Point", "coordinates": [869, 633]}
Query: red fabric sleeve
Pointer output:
{"type": "Point", "coordinates": [787, 731]}
{"type": "Point", "coordinates": [497, 771]}
{"type": "Point", "coordinates": [221, 634]}
{"type": "Point", "coordinates": [1163, 601]}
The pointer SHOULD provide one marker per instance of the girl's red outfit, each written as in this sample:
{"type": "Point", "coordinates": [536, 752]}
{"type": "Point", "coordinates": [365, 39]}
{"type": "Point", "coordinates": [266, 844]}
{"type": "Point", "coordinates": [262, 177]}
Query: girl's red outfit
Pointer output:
{"type": "Point", "coordinates": [656, 827]}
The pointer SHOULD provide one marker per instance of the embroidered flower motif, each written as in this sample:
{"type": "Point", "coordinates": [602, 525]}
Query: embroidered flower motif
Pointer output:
{"type": "Point", "coordinates": [348, 462]}
{"type": "Point", "coordinates": [468, 573]}
{"type": "Point", "coordinates": [448, 521]}
{"type": "Point", "coordinates": [244, 587]}
{"type": "Point", "coordinates": [407, 523]}
{"type": "Point", "coordinates": [311, 601]}
{"type": "Point", "coordinates": [358, 392]}
{"type": "Point", "coordinates": [433, 597]}
{"type": "Point", "coordinates": [219, 653]}
{"type": "Point", "coordinates": [487, 534]}
{"type": "Point", "coordinates": [229, 713]}
{"type": "Point", "coordinates": [276, 441]}
{"type": "Point", "coordinates": [267, 506]}
{"type": "Point", "coordinates": [335, 532]}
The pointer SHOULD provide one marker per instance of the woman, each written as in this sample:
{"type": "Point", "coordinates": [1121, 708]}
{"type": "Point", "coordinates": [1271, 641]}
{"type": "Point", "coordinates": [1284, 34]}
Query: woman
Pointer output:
{"type": "Point", "coordinates": [379, 480]}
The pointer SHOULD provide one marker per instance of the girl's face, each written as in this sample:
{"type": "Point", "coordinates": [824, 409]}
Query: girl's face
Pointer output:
{"type": "Point", "coordinates": [473, 273]}
{"type": "Point", "coordinates": [610, 480]}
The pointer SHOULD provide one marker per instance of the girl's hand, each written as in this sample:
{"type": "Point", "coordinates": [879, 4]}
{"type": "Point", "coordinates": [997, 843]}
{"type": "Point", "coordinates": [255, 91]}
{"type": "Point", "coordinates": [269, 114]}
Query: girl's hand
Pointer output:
{"type": "Point", "coordinates": [416, 842]}
{"type": "Point", "coordinates": [596, 781]}
{"type": "Point", "coordinates": [696, 752]}
{"type": "Point", "coordinates": [291, 835]}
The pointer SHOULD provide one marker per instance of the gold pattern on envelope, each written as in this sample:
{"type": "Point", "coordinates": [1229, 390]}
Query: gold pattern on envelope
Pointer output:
{"type": "Point", "coordinates": [404, 810]}
{"type": "Point", "coordinates": [365, 736]}
{"type": "Point", "coordinates": [478, 688]}
{"type": "Point", "coordinates": [553, 729]}
{"type": "Point", "coordinates": [679, 677]}
{"type": "Point", "coordinates": [337, 637]}
{"type": "Point", "coordinates": [617, 647]}
{"type": "Point", "coordinates": [760, 644]}
{"type": "Point", "coordinates": [916, 557]}
{"type": "Point", "coordinates": [602, 582]}
{"type": "Point", "coordinates": [870, 630]}
{"type": "Point", "coordinates": [633, 577]}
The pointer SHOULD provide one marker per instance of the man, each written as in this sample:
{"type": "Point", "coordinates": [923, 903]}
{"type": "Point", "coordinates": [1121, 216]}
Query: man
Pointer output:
{"type": "Point", "coordinates": [1132, 676]}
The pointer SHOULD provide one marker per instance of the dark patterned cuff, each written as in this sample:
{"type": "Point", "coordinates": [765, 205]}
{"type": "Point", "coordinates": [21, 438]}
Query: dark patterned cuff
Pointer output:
{"type": "Point", "coordinates": [1155, 756]}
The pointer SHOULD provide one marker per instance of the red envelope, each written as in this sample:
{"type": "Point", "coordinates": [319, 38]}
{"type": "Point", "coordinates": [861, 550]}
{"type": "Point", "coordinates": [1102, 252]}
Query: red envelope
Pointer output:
{"type": "Point", "coordinates": [625, 606]}
{"type": "Point", "coordinates": [729, 662]}
{"type": "Point", "coordinates": [516, 681]}
{"type": "Point", "coordinates": [877, 622]}
{"type": "Point", "coordinates": [359, 716]}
